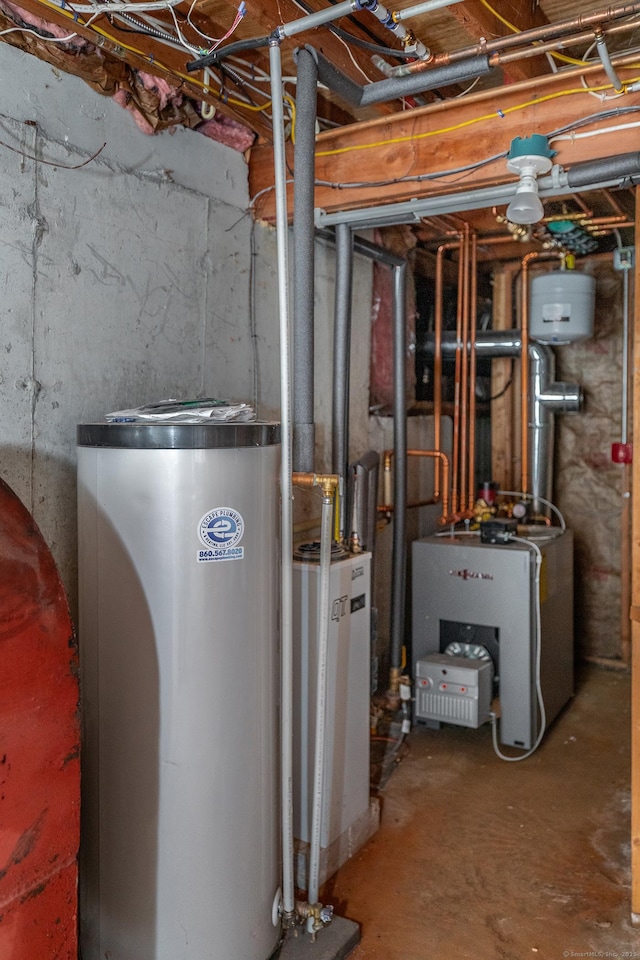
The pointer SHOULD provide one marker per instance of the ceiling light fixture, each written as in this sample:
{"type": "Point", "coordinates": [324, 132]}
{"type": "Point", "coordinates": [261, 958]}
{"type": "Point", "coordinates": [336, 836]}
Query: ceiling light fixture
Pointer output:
{"type": "Point", "coordinates": [528, 157]}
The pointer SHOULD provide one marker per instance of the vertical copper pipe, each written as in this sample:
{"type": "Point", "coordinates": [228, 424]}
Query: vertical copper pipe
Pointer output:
{"type": "Point", "coordinates": [473, 320]}
{"type": "Point", "coordinates": [455, 495]}
{"type": "Point", "coordinates": [464, 383]}
{"type": "Point", "coordinates": [440, 458]}
{"type": "Point", "coordinates": [437, 363]}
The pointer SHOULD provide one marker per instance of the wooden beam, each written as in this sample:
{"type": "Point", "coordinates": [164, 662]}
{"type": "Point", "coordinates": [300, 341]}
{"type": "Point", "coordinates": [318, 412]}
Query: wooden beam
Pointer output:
{"type": "Point", "coordinates": [139, 52]}
{"type": "Point", "coordinates": [635, 600]}
{"type": "Point", "coordinates": [451, 135]}
{"type": "Point", "coordinates": [478, 20]}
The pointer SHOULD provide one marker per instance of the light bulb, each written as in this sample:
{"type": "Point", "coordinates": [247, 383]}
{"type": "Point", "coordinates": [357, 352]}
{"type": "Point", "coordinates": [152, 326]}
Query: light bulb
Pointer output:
{"type": "Point", "coordinates": [526, 206]}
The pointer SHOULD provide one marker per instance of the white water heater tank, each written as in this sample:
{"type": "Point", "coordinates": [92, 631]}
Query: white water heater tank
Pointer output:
{"type": "Point", "coordinates": [562, 306]}
{"type": "Point", "coordinates": [178, 536]}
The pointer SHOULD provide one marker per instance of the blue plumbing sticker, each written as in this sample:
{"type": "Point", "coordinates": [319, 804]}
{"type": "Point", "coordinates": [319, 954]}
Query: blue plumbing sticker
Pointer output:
{"type": "Point", "coordinates": [221, 531]}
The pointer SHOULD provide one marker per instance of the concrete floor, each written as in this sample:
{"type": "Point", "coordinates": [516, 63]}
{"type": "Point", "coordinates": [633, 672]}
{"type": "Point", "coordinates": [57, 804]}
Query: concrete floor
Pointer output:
{"type": "Point", "coordinates": [478, 859]}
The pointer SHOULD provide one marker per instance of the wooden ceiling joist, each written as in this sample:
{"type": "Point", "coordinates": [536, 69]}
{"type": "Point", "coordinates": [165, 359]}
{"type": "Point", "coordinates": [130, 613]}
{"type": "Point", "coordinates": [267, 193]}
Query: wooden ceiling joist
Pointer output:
{"type": "Point", "coordinates": [452, 135]}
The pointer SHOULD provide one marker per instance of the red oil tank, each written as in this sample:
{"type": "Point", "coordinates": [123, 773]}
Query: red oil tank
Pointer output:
{"type": "Point", "coordinates": [39, 747]}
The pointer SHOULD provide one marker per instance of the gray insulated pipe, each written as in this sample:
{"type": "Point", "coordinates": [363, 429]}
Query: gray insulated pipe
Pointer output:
{"type": "Point", "coordinates": [304, 264]}
{"type": "Point", "coordinates": [621, 167]}
{"type": "Point", "coordinates": [393, 88]}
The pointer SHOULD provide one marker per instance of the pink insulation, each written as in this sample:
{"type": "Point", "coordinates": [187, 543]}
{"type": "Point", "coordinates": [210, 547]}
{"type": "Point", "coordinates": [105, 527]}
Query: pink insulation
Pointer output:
{"type": "Point", "coordinates": [381, 379]}
{"type": "Point", "coordinates": [229, 132]}
{"type": "Point", "coordinates": [19, 14]}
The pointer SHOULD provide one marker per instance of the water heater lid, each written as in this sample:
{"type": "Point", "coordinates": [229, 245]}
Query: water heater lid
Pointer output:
{"type": "Point", "coordinates": [178, 436]}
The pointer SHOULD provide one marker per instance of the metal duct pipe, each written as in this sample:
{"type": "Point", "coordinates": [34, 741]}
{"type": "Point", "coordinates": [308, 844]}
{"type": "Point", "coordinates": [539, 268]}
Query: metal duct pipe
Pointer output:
{"type": "Point", "coordinates": [546, 398]}
{"type": "Point", "coordinates": [341, 363]}
{"type": "Point", "coordinates": [303, 279]}
{"type": "Point", "coordinates": [395, 87]}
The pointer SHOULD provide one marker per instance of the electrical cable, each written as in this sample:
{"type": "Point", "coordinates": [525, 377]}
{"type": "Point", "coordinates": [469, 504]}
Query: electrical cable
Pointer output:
{"type": "Point", "coordinates": [416, 178]}
{"type": "Point", "coordinates": [531, 496]}
{"type": "Point", "coordinates": [464, 124]}
{"type": "Point", "coordinates": [374, 47]}
{"type": "Point", "coordinates": [364, 184]}
{"type": "Point", "coordinates": [538, 662]}
{"type": "Point", "coordinates": [554, 53]}
{"type": "Point", "coordinates": [501, 393]}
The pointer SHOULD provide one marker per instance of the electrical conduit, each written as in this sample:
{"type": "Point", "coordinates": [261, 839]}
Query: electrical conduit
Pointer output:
{"type": "Point", "coordinates": [286, 491]}
{"type": "Point", "coordinates": [321, 698]}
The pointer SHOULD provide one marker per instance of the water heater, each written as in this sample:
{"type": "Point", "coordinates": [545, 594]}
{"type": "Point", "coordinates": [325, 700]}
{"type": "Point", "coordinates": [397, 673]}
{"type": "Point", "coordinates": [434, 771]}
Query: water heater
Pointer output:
{"type": "Point", "coordinates": [178, 548]}
{"type": "Point", "coordinates": [562, 305]}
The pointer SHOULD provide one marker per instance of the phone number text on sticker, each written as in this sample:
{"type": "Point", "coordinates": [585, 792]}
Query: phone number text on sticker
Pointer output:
{"type": "Point", "coordinates": [222, 553]}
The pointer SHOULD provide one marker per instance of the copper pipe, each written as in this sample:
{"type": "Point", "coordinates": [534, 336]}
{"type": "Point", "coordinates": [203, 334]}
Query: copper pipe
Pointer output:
{"type": "Point", "coordinates": [603, 221]}
{"type": "Point", "coordinates": [455, 496]}
{"type": "Point", "coordinates": [473, 317]}
{"type": "Point", "coordinates": [524, 360]}
{"type": "Point", "coordinates": [440, 457]}
{"type": "Point", "coordinates": [464, 380]}
{"type": "Point", "coordinates": [437, 363]}
{"type": "Point", "coordinates": [543, 33]}
{"type": "Point", "coordinates": [557, 44]}
{"type": "Point", "coordinates": [604, 231]}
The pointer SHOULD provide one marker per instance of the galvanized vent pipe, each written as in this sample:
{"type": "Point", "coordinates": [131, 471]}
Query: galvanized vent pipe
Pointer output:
{"type": "Point", "coordinates": [547, 397]}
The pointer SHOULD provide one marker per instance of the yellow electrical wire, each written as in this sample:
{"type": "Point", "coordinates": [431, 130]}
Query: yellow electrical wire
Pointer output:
{"type": "Point", "coordinates": [292, 105]}
{"type": "Point", "coordinates": [152, 60]}
{"type": "Point", "coordinates": [470, 122]}
{"type": "Point", "coordinates": [514, 29]}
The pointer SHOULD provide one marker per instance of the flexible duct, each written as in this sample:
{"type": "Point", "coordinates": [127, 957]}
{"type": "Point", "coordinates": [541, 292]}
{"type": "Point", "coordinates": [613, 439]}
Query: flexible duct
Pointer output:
{"type": "Point", "coordinates": [303, 280]}
{"type": "Point", "coordinates": [546, 398]}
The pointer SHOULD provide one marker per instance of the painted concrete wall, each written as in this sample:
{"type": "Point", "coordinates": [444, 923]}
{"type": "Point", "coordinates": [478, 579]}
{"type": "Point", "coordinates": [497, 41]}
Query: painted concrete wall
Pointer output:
{"type": "Point", "coordinates": [123, 282]}
{"type": "Point", "coordinates": [138, 277]}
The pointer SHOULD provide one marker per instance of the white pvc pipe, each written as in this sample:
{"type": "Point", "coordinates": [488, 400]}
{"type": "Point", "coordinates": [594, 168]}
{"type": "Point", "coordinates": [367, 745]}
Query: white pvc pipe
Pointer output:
{"type": "Point", "coordinates": [321, 699]}
{"type": "Point", "coordinates": [316, 19]}
{"type": "Point", "coordinates": [286, 485]}
{"type": "Point", "coordinates": [420, 8]}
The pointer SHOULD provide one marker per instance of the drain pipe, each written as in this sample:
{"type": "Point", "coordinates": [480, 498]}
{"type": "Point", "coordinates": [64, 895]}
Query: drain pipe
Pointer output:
{"type": "Point", "coordinates": [304, 246]}
{"type": "Point", "coordinates": [286, 492]}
